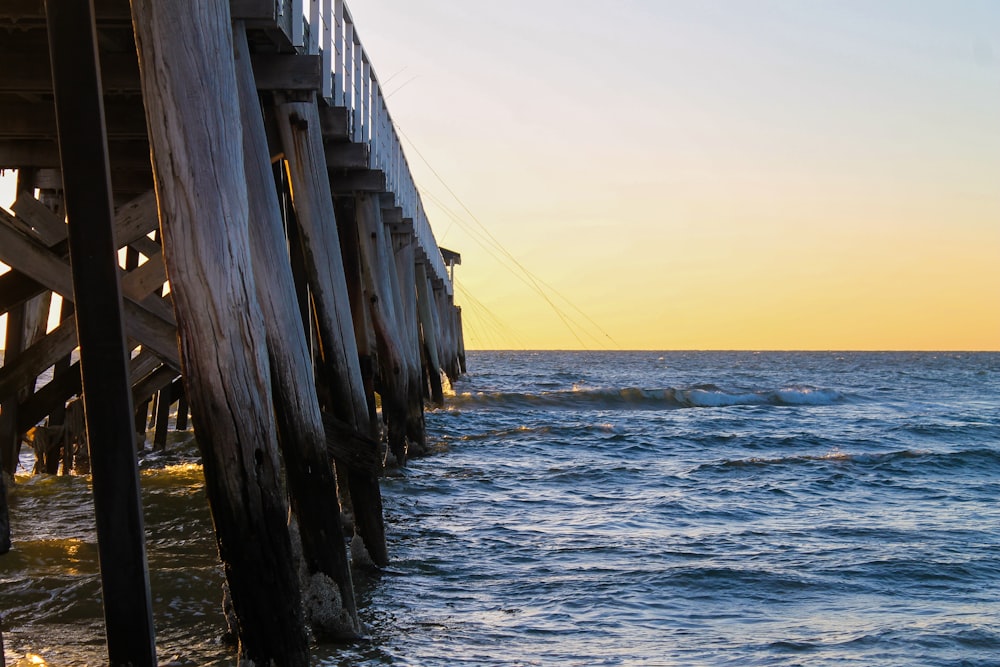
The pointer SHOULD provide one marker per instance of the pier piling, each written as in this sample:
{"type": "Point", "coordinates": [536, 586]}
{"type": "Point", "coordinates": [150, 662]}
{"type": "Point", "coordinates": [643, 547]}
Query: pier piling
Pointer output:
{"type": "Point", "coordinates": [277, 273]}
{"type": "Point", "coordinates": [107, 397]}
{"type": "Point", "coordinates": [339, 363]}
{"type": "Point", "coordinates": [311, 479]}
{"type": "Point", "coordinates": [201, 191]}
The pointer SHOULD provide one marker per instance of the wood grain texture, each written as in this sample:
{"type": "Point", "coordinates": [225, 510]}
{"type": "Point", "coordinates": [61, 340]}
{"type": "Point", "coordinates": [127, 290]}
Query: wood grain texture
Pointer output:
{"type": "Point", "coordinates": [311, 480]}
{"type": "Point", "coordinates": [311, 196]}
{"type": "Point", "coordinates": [192, 108]}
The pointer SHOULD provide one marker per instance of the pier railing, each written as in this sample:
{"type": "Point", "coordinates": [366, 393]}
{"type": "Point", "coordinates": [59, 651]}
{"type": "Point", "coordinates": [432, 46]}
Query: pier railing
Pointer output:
{"type": "Point", "coordinates": [349, 80]}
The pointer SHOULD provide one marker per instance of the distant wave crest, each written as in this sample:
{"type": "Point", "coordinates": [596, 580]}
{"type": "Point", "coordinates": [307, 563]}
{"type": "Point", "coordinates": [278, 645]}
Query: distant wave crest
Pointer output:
{"type": "Point", "coordinates": [634, 398]}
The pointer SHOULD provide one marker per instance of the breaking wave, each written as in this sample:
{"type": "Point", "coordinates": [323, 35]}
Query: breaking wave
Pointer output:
{"type": "Point", "coordinates": [634, 398]}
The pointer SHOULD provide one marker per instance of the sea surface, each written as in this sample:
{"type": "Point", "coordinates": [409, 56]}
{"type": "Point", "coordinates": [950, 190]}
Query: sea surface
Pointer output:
{"type": "Point", "coordinates": [614, 508]}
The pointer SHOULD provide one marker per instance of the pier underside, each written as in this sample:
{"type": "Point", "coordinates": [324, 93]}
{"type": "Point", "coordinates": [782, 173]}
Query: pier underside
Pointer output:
{"type": "Point", "coordinates": [233, 238]}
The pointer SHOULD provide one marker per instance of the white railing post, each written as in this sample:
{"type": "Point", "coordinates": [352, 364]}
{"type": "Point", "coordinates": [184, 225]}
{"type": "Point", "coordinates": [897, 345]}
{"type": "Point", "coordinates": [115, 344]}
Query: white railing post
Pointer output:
{"type": "Point", "coordinates": [375, 129]}
{"type": "Point", "coordinates": [366, 106]}
{"type": "Point", "coordinates": [314, 27]}
{"type": "Point", "coordinates": [338, 48]}
{"type": "Point", "coordinates": [358, 55]}
{"type": "Point", "coordinates": [349, 67]}
{"type": "Point", "coordinates": [349, 81]}
{"type": "Point", "coordinates": [327, 51]}
{"type": "Point", "coordinates": [297, 23]}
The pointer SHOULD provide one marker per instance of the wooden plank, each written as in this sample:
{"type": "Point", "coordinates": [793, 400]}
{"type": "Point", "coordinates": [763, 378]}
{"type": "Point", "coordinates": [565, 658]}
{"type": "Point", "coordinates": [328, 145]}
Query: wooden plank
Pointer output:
{"type": "Point", "coordinates": [49, 398]}
{"type": "Point", "coordinates": [32, 74]}
{"type": "Point", "coordinates": [16, 288]}
{"type": "Point", "coordinates": [392, 216]}
{"type": "Point", "coordinates": [202, 195]}
{"type": "Point", "coordinates": [26, 120]}
{"type": "Point", "coordinates": [253, 10]}
{"type": "Point", "coordinates": [153, 382]}
{"type": "Point", "coordinates": [49, 229]}
{"type": "Point", "coordinates": [44, 153]}
{"type": "Point", "coordinates": [137, 218]}
{"type": "Point", "coordinates": [127, 182]}
{"type": "Point", "coordinates": [347, 183]}
{"type": "Point", "coordinates": [287, 72]}
{"type": "Point", "coordinates": [39, 263]}
{"type": "Point", "coordinates": [144, 280]}
{"type": "Point", "coordinates": [32, 362]}
{"type": "Point", "coordinates": [334, 123]}
{"type": "Point", "coordinates": [346, 156]}
{"type": "Point", "coordinates": [34, 10]}
{"type": "Point", "coordinates": [83, 148]}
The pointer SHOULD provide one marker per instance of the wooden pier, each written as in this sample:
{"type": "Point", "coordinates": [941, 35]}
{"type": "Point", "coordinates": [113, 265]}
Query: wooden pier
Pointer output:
{"type": "Point", "coordinates": [221, 200]}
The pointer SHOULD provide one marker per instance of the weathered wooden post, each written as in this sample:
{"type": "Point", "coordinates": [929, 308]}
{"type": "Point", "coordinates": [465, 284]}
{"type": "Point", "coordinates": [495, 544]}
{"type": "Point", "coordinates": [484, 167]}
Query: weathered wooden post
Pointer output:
{"type": "Point", "coordinates": [381, 304]}
{"type": "Point", "coordinates": [428, 326]}
{"type": "Point", "coordinates": [10, 435]}
{"type": "Point", "coordinates": [193, 115]}
{"type": "Point", "coordinates": [350, 251]}
{"type": "Point", "coordinates": [4, 520]}
{"type": "Point", "coordinates": [341, 372]}
{"type": "Point", "coordinates": [83, 152]}
{"type": "Point", "coordinates": [163, 401]}
{"type": "Point", "coordinates": [311, 479]}
{"type": "Point", "coordinates": [405, 255]}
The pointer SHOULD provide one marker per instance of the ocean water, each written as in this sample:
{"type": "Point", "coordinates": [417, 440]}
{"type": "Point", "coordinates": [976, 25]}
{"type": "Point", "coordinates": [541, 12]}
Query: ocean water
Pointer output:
{"type": "Point", "coordinates": [616, 508]}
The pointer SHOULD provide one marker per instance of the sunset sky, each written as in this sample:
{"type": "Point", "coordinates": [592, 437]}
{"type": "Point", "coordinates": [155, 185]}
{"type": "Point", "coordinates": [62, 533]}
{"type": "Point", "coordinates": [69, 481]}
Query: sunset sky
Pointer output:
{"type": "Point", "coordinates": [699, 174]}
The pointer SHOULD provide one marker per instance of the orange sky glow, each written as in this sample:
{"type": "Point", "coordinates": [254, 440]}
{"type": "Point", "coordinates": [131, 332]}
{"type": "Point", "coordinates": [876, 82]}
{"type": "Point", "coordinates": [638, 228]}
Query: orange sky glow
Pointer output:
{"type": "Point", "coordinates": [706, 174]}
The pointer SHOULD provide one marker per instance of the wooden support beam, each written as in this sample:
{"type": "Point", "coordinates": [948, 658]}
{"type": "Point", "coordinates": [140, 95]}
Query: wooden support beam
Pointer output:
{"type": "Point", "coordinates": [311, 480]}
{"type": "Point", "coordinates": [49, 398]}
{"type": "Point", "coordinates": [31, 74]}
{"type": "Point", "coordinates": [42, 222]}
{"type": "Point", "coordinates": [287, 72]}
{"type": "Point", "coordinates": [274, 18]}
{"type": "Point", "coordinates": [203, 203]}
{"type": "Point", "coordinates": [44, 153]}
{"type": "Point", "coordinates": [76, 76]}
{"type": "Point", "coordinates": [26, 120]}
{"type": "Point", "coordinates": [16, 288]}
{"type": "Point", "coordinates": [34, 10]}
{"type": "Point", "coordinates": [153, 382]}
{"type": "Point", "coordinates": [300, 132]}
{"type": "Point", "coordinates": [348, 183]}
{"type": "Point", "coordinates": [41, 264]}
{"type": "Point", "coordinates": [392, 216]}
{"type": "Point", "coordinates": [21, 369]}
{"type": "Point", "coordinates": [346, 156]}
{"type": "Point", "coordinates": [334, 123]}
